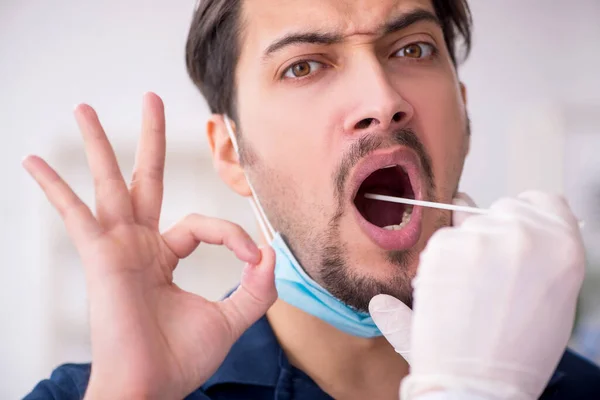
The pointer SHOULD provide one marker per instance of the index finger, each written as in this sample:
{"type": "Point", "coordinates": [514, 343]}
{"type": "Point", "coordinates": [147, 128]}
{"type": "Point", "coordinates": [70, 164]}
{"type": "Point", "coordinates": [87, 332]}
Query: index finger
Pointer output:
{"type": "Point", "coordinates": [185, 236]}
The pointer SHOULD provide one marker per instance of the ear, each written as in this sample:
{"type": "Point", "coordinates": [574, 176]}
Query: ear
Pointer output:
{"type": "Point", "coordinates": [463, 93]}
{"type": "Point", "coordinates": [225, 159]}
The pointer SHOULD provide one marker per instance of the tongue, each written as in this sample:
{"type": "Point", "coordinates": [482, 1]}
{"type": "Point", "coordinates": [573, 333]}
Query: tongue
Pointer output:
{"type": "Point", "coordinates": [382, 213]}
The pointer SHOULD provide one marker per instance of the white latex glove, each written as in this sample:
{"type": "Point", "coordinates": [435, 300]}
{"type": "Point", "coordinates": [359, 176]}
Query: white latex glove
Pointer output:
{"type": "Point", "coordinates": [494, 301]}
{"type": "Point", "coordinates": [393, 317]}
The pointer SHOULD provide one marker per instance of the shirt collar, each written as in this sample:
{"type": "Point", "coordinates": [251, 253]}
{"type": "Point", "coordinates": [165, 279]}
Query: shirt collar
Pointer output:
{"type": "Point", "coordinates": [557, 376]}
{"type": "Point", "coordinates": [260, 345]}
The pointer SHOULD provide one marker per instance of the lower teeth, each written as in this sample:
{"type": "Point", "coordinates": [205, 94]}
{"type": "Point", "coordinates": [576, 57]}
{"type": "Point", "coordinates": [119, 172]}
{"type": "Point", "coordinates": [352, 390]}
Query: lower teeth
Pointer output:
{"type": "Point", "coordinates": [405, 220]}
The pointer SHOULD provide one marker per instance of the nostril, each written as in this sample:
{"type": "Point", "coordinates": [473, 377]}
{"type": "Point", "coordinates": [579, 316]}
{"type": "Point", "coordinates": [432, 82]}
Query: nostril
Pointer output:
{"type": "Point", "coordinates": [398, 117]}
{"type": "Point", "coordinates": [365, 123]}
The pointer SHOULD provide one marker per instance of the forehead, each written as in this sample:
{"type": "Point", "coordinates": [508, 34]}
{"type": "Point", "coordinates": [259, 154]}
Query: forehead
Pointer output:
{"type": "Point", "coordinates": [267, 19]}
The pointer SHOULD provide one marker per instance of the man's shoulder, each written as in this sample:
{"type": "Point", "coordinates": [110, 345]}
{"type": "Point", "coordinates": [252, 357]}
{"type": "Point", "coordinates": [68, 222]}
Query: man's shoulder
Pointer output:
{"type": "Point", "coordinates": [575, 378]}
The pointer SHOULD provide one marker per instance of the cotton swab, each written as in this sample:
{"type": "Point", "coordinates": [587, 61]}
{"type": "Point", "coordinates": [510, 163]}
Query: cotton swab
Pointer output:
{"type": "Point", "coordinates": [443, 206]}
{"type": "Point", "coordinates": [421, 203]}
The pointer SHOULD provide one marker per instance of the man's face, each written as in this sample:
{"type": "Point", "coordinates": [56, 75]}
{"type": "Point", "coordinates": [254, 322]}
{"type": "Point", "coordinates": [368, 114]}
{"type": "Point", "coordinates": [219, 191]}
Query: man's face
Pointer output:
{"type": "Point", "coordinates": [329, 93]}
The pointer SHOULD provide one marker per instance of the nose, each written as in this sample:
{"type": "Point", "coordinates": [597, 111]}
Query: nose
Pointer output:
{"type": "Point", "coordinates": [378, 105]}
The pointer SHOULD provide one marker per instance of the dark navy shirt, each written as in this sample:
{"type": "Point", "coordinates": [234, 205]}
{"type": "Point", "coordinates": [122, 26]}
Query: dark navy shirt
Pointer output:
{"type": "Point", "coordinates": [256, 368]}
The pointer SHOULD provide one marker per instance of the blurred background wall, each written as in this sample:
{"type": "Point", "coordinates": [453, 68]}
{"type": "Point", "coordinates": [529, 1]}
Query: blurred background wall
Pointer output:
{"type": "Point", "coordinates": [534, 101]}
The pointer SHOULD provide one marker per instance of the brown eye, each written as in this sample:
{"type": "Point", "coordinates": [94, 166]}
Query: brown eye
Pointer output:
{"type": "Point", "coordinates": [302, 69]}
{"type": "Point", "coordinates": [416, 50]}
{"type": "Point", "coordinates": [413, 51]}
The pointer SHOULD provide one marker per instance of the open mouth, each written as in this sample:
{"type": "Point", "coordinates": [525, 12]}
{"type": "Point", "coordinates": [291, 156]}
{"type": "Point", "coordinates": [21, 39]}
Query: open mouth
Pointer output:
{"type": "Point", "coordinates": [397, 173]}
{"type": "Point", "coordinates": [390, 181]}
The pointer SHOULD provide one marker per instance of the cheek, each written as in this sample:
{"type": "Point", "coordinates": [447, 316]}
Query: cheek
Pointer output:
{"type": "Point", "coordinates": [441, 121]}
{"type": "Point", "coordinates": [290, 134]}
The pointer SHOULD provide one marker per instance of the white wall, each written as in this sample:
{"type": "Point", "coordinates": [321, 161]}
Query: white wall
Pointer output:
{"type": "Point", "coordinates": [531, 58]}
{"type": "Point", "coordinates": [531, 55]}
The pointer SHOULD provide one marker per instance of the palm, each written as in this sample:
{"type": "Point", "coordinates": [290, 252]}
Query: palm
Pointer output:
{"type": "Point", "coordinates": [148, 335]}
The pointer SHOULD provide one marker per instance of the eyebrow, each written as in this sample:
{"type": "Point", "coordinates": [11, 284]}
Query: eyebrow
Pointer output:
{"type": "Point", "coordinates": [405, 20]}
{"type": "Point", "coordinates": [400, 23]}
{"type": "Point", "coordinates": [302, 38]}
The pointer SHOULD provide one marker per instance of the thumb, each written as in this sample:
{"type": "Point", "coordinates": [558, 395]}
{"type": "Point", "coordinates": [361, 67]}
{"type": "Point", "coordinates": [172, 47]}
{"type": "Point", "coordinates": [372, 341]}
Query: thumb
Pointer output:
{"type": "Point", "coordinates": [255, 295]}
{"type": "Point", "coordinates": [459, 217]}
{"type": "Point", "coordinates": [393, 318]}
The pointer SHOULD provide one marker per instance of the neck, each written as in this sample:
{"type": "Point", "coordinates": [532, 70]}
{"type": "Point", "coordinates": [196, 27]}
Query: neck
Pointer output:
{"type": "Point", "coordinates": [344, 366]}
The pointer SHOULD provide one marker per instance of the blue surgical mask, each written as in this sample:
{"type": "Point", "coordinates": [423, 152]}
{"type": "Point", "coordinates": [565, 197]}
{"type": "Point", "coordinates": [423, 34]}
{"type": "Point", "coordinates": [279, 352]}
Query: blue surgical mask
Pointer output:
{"type": "Point", "coordinates": [295, 287]}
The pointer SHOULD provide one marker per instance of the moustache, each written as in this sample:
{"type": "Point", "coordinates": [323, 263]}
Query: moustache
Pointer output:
{"type": "Point", "coordinates": [368, 144]}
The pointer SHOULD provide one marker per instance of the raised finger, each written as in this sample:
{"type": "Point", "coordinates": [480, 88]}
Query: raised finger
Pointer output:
{"type": "Point", "coordinates": [185, 236]}
{"type": "Point", "coordinates": [77, 217]}
{"type": "Point", "coordinates": [113, 203]}
{"type": "Point", "coordinates": [147, 182]}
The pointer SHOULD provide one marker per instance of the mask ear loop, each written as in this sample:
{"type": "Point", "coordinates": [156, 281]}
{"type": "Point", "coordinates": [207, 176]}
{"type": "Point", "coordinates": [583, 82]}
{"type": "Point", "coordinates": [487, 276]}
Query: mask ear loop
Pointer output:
{"type": "Point", "coordinates": [263, 222]}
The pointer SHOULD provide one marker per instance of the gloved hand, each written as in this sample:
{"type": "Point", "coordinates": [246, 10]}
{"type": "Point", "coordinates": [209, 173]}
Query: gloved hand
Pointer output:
{"type": "Point", "coordinates": [494, 301]}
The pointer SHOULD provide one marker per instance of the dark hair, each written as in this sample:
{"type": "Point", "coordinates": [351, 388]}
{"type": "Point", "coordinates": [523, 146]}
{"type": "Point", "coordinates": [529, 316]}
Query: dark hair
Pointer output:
{"type": "Point", "coordinates": [212, 47]}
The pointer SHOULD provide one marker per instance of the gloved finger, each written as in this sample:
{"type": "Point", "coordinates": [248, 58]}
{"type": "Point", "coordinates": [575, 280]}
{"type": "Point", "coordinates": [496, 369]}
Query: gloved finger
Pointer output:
{"type": "Point", "coordinates": [461, 199]}
{"type": "Point", "coordinates": [555, 205]}
{"type": "Point", "coordinates": [394, 319]}
{"type": "Point", "coordinates": [537, 207]}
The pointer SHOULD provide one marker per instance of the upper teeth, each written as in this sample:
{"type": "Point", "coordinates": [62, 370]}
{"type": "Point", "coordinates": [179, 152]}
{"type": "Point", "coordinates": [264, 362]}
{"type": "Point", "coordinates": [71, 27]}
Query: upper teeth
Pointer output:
{"type": "Point", "coordinates": [390, 166]}
{"type": "Point", "coordinates": [405, 220]}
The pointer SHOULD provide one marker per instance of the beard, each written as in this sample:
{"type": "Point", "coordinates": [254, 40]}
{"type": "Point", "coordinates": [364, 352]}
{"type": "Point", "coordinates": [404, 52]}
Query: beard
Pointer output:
{"type": "Point", "coordinates": [323, 255]}
{"type": "Point", "coordinates": [334, 269]}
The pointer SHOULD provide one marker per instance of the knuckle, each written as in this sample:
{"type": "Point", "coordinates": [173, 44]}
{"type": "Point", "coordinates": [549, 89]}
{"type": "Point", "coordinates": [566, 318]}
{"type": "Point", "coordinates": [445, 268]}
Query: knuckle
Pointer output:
{"type": "Point", "coordinates": [232, 313]}
{"type": "Point", "coordinates": [71, 211]}
{"type": "Point", "coordinates": [152, 220]}
{"type": "Point", "coordinates": [223, 227]}
{"type": "Point", "coordinates": [194, 218]}
{"type": "Point", "coordinates": [519, 237]}
{"type": "Point", "coordinates": [573, 252]}
{"type": "Point", "coordinates": [190, 221]}
{"type": "Point", "coordinates": [507, 206]}
{"type": "Point", "coordinates": [234, 229]}
{"type": "Point", "coordinates": [153, 174]}
{"type": "Point", "coordinates": [558, 199]}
